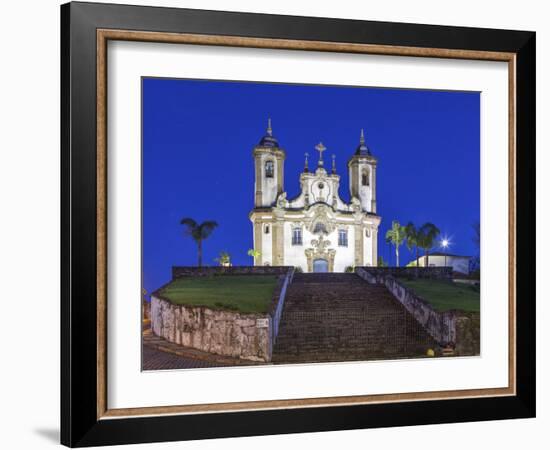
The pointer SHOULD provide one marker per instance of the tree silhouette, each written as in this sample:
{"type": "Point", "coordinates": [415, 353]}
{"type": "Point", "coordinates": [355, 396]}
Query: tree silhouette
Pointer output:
{"type": "Point", "coordinates": [198, 232]}
{"type": "Point", "coordinates": [396, 236]}
{"type": "Point", "coordinates": [426, 237]}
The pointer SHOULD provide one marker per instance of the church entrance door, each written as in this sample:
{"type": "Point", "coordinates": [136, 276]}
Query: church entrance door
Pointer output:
{"type": "Point", "coordinates": [320, 265]}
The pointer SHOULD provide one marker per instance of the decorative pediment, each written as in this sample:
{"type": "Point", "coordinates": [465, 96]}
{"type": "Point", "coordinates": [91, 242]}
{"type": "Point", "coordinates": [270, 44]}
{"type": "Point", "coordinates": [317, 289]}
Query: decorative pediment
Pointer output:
{"type": "Point", "coordinates": [321, 221]}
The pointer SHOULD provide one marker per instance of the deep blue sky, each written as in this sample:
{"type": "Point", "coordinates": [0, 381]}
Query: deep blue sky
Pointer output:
{"type": "Point", "coordinates": [198, 138]}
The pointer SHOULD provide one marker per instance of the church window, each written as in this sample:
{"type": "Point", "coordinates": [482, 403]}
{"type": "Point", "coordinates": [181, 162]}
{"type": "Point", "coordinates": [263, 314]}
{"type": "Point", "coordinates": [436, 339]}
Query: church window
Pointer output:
{"type": "Point", "coordinates": [266, 229]}
{"type": "Point", "coordinates": [297, 236]}
{"type": "Point", "coordinates": [269, 169]}
{"type": "Point", "coordinates": [367, 232]}
{"type": "Point", "coordinates": [320, 228]}
{"type": "Point", "coordinates": [342, 238]}
{"type": "Point", "coordinates": [365, 178]}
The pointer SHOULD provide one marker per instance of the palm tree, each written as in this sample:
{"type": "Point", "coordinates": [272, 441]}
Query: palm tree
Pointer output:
{"type": "Point", "coordinates": [254, 253]}
{"type": "Point", "coordinates": [426, 237]}
{"type": "Point", "coordinates": [224, 259]}
{"type": "Point", "coordinates": [396, 236]}
{"type": "Point", "coordinates": [411, 234]}
{"type": "Point", "coordinates": [198, 232]}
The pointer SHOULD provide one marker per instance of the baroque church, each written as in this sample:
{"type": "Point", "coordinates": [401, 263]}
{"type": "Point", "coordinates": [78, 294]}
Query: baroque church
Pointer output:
{"type": "Point", "coordinates": [315, 230]}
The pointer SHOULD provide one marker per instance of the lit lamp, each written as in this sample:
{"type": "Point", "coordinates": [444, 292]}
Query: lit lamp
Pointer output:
{"type": "Point", "coordinates": [445, 245]}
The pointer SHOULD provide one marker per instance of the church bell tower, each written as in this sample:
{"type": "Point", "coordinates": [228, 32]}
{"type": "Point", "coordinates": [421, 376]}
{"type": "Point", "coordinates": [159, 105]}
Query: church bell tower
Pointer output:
{"type": "Point", "coordinates": [269, 170]}
{"type": "Point", "coordinates": [362, 176]}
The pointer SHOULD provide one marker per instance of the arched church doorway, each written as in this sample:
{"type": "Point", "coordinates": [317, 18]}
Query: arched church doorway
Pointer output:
{"type": "Point", "coordinates": [320, 265]}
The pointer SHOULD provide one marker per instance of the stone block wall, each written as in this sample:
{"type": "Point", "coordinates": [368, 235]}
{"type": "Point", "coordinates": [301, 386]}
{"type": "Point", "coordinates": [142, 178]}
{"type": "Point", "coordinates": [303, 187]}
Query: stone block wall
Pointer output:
{"type": "Point", "coordinates": [468, 334]}
{"type": "Point", "coordinates": [370, 277]}
{"type": "Point", "coordinates": [380, 273]}
{"type": "Point", "coordinates": [221, 332]}
{"type": "Point", "coordinates": [189, 271]}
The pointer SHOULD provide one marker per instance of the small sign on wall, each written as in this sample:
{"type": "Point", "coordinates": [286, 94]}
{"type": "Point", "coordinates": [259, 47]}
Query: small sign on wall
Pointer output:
{"type": "Point", "coordinates": [262, 323]}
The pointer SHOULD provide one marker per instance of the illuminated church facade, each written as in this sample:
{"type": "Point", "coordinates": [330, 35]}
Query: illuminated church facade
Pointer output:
{"type": "Point", "coordinates": [315, 230]}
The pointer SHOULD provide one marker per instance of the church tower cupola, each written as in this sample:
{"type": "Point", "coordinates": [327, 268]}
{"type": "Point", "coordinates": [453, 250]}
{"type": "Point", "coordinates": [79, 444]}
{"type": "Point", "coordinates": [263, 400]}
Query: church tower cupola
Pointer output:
{"type": "Point", "coordinates": [269, 169]}
{"type": "Point", "coordinates": [362, 148]}
{"type": "Point", "coordinates": [269, 140]}
{"type": "Point", "coordinates": [362, 176]}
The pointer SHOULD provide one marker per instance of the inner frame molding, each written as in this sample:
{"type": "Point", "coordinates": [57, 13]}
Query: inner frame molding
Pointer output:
{"type": "Point", "coordinates": [105, 35]}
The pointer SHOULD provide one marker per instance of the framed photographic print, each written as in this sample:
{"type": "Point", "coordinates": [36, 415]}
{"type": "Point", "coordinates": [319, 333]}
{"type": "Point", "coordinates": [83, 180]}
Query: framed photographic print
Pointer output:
{"type": "Point", "coordinates": [277, 224]}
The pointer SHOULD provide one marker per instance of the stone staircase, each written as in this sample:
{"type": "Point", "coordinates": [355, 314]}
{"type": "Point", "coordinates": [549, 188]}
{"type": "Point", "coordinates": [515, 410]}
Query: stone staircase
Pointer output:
{"type": "Point", "coordinates": [341, 317]}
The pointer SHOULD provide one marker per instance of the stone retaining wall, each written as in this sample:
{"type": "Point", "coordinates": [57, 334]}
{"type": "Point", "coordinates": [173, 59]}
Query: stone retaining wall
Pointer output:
{"type": "Point", "coordinates": [380, 273]}
{"type": "Point", "coordinates": [440, 325]}
{"type": "Point", "coordinates": [223, 332]}
{"type": "Point", "coordinates": [216, 331]}
{"type": "Point", "coordinates": [185, 271]}
{"type": "Point", "coordinates": [468, 334]}
{"type": "Point", "coordinates": [455, 328]}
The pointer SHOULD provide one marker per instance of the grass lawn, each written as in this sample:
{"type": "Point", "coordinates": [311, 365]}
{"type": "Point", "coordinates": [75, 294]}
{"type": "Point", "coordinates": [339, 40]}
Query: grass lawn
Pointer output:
{"type": "Point", "coordinates": [444, 296]}
{"type": "Point", "coordinates": [246, 294]}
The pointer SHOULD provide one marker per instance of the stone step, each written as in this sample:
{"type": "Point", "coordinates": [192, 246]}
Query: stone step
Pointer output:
{"type": "Point", "coordinates": [325, 277]}
{"type": "Point", "coordinates": [340, 317]}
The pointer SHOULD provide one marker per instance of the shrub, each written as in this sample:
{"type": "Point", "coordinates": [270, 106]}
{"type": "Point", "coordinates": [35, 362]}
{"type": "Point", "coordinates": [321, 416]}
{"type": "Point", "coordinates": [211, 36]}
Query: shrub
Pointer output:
{"type": "Point", "coordinates": [298, 269]}
{"type": "Point", "coordinates": [349, 269]}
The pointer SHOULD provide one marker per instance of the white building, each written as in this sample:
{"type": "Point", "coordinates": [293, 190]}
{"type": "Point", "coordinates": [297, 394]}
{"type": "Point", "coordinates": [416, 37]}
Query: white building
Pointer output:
{"type": "Point", "coordinates": [459, 263]}
{"type": "Point", "coordinates": [316, 230]}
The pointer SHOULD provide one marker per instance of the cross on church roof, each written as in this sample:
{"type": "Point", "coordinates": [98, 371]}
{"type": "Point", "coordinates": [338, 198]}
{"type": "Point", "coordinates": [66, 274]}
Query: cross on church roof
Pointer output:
{"type": "Point", "coordinates": [320, 148]}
